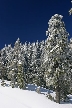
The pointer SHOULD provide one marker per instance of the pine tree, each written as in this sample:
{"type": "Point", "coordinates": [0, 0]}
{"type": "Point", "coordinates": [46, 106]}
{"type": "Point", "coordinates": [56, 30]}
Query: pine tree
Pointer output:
{"type": "Point", "coordinates": [42, 67]}
{"type": "Point", "coordinates": [70, 65]}
{"type": "Point", "coordinates": [37, 64]}
{"type": "Point", "coordinates": [70, 57]}
{"type": "Point", "coordinates": [29, 64]}
{"type": "Point", "coordinates": [33, 59]}
{"type": "Point", "coordinates": [57, 49]}
{"type": "Point", "coordinates": [70, 11]}
{"type": "Point", "coordinates": [20, 76]}
{"type": "Point", "coordinates": [3, 62]}
{"type": "Point", "coordinates": [12, 78]}
{"type": "Point", "coordinates": [25, 61]}
{"type": "Point", "coordinates": [10, 61]}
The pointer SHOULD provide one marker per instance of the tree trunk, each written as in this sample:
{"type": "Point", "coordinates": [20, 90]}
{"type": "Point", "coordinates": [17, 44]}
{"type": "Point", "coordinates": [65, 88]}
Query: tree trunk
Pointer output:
{"type": "Point", "coordinates": [58, 97]}
{"type": "Point", "coordinates": [58, 89]}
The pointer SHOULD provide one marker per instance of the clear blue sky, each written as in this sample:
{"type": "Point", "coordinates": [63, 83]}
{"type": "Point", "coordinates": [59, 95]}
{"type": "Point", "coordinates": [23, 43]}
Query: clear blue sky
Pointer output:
{"type": "Point", "coordinates": [28, 19]}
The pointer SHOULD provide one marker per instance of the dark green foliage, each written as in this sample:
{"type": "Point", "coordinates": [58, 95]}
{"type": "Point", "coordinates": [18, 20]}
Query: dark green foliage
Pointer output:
{"type": "Point", "coordinates": [3, 82]}
{"type": "Point", "coordinates": [20, 77]}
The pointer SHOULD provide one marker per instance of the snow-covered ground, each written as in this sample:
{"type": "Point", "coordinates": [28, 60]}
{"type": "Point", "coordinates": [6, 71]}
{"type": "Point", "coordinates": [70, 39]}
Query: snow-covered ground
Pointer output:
{"type": "Point", "coordinates": [16, 98]}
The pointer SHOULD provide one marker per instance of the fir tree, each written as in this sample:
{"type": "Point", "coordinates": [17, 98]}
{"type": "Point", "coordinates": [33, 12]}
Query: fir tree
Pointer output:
{"type": "Point", "coordinates": [20, 76]}
{"type": "Point", "coordinates": [12, 78]}
{"type": "Point", "coordinates": [29, 64]}
{"type": "Point", "coordinates": [37, 64]}
{"type": "Point", "coordinates": [57, 49]}
{"type": "Point", "coordinates": [70, 11]}
{"type": "Point", "coordinates": [70, 65]}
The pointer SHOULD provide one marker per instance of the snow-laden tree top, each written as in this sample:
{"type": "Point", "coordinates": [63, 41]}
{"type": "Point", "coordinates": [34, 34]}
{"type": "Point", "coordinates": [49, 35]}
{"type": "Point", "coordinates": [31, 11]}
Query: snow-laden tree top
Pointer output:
{"type": "Point", "coordinates": [56, 26]}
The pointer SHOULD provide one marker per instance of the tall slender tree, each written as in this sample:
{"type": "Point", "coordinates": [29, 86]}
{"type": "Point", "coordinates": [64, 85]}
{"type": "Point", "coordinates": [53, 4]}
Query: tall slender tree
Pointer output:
{"type": "Point", "coordinates": [20, 76]}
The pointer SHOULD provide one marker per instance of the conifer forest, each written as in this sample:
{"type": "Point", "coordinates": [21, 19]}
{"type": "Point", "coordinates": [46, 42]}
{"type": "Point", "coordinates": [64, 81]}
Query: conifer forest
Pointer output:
{"type": "Point", "coordinates": [47, 63]}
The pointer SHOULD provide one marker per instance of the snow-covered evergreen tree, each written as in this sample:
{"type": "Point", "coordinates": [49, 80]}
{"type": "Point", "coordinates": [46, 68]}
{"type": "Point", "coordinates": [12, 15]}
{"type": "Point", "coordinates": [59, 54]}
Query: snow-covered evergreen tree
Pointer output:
{"type": "Point", "coordinates": [29, 64]}
{"type": "Point", "coordinates": [9, 59]}
{"type": "Point", "coordinates": [3, 61]}
{"type": "Point", "coordinates": [38, 69]}
{"type": "Point", "coordinates": [12, 83]}
{"type": "Point", "coordinates": [70, 65]}
{"type": "Point", "coordinates": [42, 67]}
{"type": "Point", "coordinates": [25, 61]}
{"type": "Point", "coordinates": [57, 49]}
{"type": "Point", "coordinates": [33, 59]}
{"type": "Point", "coordinates": [20, 76]}
{"type": "Point", "coordinates": [70, 11]}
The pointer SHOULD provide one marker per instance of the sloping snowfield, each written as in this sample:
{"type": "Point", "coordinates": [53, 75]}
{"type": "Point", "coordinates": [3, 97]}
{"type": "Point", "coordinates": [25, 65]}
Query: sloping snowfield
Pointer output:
{"type": "Point", "coordinates": [16, 98]}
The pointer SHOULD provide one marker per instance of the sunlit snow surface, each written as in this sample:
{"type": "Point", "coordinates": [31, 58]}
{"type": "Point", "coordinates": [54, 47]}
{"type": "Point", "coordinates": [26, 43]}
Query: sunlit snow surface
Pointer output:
{"type": "Point", "coordinates": [16, 98]}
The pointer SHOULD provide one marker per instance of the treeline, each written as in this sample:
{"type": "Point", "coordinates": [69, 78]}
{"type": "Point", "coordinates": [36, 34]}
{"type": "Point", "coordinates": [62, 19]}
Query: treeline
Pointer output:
{"type": "Point", "coordinates": [23, 63]}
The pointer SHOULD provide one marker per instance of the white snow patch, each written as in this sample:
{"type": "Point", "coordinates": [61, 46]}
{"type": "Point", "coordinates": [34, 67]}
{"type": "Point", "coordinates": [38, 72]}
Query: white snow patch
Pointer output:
{"type": "Point", "coordinates": [17, 98]}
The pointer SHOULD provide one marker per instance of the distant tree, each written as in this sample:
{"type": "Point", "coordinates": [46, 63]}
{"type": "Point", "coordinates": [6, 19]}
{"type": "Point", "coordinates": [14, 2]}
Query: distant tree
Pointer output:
{"type": "Point", "coordinates": [29, 63]}
{"type": "Point", "coordinates": [37, 65]}
{"type": "Point", "coordinates": [3, 62]}
{"type": "Point", "coordinates": [25, 61]}
{"type": "Point", "coordinates": [20, 76]}
{"type": "Point", "coordinates": [70, 11]}
{"type": "Point", "coordinates": [13, 79]}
